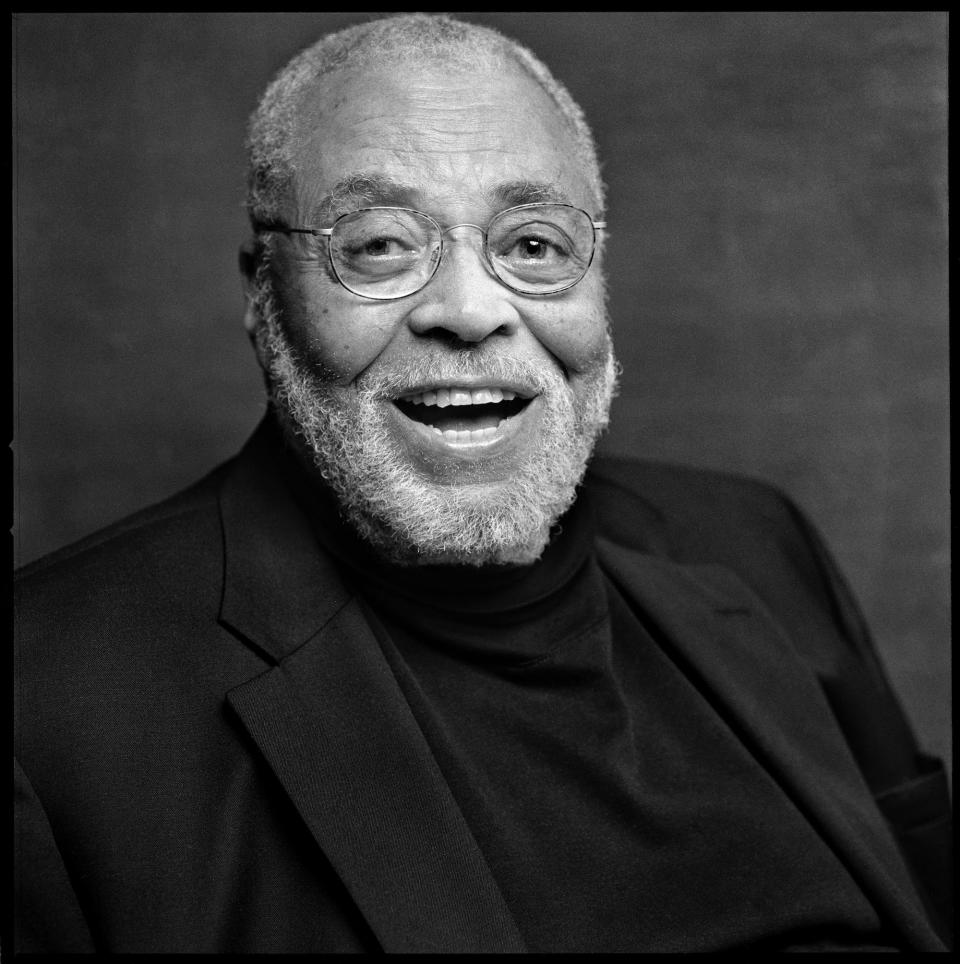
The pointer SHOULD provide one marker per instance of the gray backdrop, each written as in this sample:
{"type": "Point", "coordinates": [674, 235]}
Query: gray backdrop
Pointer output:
{"type": "Point", "coordinates": [778, 268]}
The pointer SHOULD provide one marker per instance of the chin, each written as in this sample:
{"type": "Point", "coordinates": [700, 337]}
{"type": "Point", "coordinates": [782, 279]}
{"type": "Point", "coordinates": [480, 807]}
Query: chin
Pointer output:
{"type": "Point", "coordinates": [425, 527]}
{"type": "Point", "coordinates": [408, 519]}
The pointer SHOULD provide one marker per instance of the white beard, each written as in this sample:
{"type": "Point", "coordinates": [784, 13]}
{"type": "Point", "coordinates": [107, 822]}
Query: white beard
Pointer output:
{"type": "Point", "coordinates": [409, 519]}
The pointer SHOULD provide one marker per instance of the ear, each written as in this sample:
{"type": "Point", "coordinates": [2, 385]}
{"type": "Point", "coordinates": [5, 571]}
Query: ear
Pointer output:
{"type": "Point", "coordinates": [249, 262]}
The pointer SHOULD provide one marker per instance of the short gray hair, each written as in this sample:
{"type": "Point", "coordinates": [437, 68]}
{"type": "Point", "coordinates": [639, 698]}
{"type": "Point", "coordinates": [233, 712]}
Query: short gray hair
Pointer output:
{"type": "Point", "coordinates": [410, 38]}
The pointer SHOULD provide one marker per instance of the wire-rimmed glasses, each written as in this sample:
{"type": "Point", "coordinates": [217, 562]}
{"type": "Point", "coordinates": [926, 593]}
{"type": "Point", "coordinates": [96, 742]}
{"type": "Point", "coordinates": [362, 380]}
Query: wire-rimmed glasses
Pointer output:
{"type": "Point", "coordinates": [384, 253]}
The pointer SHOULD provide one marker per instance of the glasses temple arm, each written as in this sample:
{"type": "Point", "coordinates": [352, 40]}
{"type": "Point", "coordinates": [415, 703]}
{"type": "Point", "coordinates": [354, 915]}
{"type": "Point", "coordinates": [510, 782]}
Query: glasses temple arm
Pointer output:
{"type": "Point", "coordinates": [280, 229]}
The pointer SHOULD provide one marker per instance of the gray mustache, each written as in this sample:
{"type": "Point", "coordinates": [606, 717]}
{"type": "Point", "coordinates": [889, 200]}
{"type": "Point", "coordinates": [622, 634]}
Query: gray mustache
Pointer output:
{"type": "Point", "coordinates": [490, 368]}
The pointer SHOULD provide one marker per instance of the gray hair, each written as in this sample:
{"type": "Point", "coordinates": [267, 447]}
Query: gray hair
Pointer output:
{"type": "Point", "coordinates": [413, 39]}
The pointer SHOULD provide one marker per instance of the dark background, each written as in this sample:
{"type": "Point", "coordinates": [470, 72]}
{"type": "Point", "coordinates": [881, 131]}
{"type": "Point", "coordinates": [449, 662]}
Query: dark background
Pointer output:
{"type": "Point", "coordinates": [778, 268]}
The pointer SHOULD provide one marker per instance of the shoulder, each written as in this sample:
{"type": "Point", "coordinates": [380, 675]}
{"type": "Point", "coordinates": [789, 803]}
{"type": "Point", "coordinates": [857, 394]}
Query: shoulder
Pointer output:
{"type": "Point", "coordinates": [751, 528]}
{"type": "Point", "coordinates": [689, 509]}
{"type": "Point", "coordinates": [155, 553]}
{"type": "Point", "coordinates": [667, 480]}
{"type": "Point", "coordinates": [122, 628]}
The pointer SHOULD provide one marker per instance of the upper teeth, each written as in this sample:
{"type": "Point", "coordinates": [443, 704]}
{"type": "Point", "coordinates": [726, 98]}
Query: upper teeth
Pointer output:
{"type": "Point", "coordinates": [461, 396]}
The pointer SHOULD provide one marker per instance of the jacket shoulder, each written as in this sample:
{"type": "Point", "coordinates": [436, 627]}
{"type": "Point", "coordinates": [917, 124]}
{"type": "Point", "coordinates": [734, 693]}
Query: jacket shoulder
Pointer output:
{"type": "Point", "coordinates": [694, 511]}
{"type": "Point", "coordinates": [149, 551]}
{"type": "Point", "coordinates": [703, 517]}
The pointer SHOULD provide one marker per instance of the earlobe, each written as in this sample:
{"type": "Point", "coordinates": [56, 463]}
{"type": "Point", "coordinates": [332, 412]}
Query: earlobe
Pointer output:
{"type": "Point", "coordinates": [251, 317]}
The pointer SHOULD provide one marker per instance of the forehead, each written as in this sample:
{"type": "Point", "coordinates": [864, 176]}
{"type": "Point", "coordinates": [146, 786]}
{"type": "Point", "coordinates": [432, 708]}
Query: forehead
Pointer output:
{"type": "Point", "coordinates": [453, 138]}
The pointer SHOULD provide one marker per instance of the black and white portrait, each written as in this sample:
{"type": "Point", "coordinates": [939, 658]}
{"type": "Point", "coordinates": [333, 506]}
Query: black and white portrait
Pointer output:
{"type": "Point", "coordinates": [481, 482]}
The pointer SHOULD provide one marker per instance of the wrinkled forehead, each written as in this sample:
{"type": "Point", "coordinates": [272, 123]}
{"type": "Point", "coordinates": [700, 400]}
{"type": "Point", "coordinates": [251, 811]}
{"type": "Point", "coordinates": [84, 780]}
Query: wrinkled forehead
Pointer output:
{"type": "Point", "coordinates": [450, 134]}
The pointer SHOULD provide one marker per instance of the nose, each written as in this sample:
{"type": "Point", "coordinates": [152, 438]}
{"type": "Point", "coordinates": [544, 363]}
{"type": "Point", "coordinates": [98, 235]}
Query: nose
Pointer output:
{"type": "Point", "coordinates": [464, 298]}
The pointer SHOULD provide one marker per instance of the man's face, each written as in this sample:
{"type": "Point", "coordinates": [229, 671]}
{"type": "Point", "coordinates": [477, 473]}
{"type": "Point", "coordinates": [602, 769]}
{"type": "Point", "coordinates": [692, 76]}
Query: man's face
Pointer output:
{"type": "Point", "coordinates": [364, 383]}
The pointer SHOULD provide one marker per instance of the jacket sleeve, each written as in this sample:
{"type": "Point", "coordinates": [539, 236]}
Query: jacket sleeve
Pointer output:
{"type": "Point", "coordinates": [909, 786]}
{"type": "Point", "coordinates": [47, 917]}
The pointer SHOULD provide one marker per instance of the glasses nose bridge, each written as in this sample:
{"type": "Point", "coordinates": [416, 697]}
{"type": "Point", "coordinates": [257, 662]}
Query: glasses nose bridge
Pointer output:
{"type": "Point", "coordinates": [466, 224]}
{"type": "Point", "coordinates": [483, 241]}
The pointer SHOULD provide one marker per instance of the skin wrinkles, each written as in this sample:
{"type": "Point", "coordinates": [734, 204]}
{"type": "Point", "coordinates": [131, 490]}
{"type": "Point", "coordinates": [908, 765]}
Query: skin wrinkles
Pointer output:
{"type": "Point", "coordinates": [434, 144]}
{"type": "Point", "coordinates": [467, 170]}
{"type": "Point", "coordinates": [464, 124]}
{"type": "Point", "coordinates": [369, 189]}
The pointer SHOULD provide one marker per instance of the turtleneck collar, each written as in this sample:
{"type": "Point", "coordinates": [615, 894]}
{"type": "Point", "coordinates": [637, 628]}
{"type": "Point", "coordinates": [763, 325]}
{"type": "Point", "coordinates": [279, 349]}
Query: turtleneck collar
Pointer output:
{"type": "Point", "coordinates": [463, 603]}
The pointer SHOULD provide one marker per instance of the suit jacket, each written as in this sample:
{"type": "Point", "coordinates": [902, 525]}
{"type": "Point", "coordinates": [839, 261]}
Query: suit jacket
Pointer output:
{"type": "Point", "coordinates": [214, 755]}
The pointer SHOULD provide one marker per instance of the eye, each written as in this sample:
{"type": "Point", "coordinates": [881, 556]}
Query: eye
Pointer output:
{"type": "Point", "coordinates": [382, 247]}
{"type": "Point", "coordinates": [377, 255]}
{"type": "Point", "coordinates": [535, 248]}
{"type": "Point", "coordinates": [531, 244]}
{"type": "Point", "coordinates": [374, 246]}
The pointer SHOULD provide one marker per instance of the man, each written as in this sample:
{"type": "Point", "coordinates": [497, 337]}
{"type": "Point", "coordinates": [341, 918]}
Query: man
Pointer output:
{"type": "Point", "coordinates": [406, 675]}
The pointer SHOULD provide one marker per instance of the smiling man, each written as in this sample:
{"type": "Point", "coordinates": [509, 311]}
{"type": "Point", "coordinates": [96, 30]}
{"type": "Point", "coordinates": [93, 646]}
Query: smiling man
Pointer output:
{"type": "Point", "coordinates": [413, 672]}
{"type": "Point", "coordinates": [461, 369]}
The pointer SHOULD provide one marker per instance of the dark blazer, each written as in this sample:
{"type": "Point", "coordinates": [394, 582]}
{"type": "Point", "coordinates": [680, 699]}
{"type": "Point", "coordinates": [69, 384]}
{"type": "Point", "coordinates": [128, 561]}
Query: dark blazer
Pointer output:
{"type": "Point", "coordinates": [214, 755]}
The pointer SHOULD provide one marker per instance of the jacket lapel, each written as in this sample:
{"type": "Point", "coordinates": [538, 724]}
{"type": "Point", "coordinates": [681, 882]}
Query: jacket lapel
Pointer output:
{"type": "Point", "coordinates": [721, 635]}
{"type": "Point", "coordinates": [334, 726]}
{"type": "Point", "coordinates": [331, 721]}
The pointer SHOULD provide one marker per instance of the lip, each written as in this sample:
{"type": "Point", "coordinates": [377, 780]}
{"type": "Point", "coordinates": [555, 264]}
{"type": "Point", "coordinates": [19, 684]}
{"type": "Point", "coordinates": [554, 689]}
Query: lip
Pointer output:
{"type": "Point", "coordinates": [428, 445]}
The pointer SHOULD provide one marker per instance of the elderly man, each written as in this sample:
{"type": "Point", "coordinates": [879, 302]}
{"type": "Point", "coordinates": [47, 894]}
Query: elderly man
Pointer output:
{"type": "Point", "coordinates": [405, 675]}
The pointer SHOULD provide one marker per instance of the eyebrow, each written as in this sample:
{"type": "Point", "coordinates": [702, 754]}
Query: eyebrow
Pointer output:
{"type": "Point", "coordinates": [371, 188]}
{"type": "Point", "coordinates": [529, 192]}
{"type": "Point", "coordinates": [358, 190]}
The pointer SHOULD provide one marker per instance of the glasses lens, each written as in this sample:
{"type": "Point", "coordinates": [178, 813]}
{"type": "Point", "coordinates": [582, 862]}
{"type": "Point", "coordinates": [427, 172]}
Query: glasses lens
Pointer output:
{"type": "Point", "coordinates": [541, 248]}
{"type": "Point", "coordinates": [384, 252]}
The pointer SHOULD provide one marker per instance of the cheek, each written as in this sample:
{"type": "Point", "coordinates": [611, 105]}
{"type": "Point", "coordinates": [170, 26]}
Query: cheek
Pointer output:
{"type": "Point", "coordinates": [337, 336]}
{"type": "Point", "coordinates": [573, 330]}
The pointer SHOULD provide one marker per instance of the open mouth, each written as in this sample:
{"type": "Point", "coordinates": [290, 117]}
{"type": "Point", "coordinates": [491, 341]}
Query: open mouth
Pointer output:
{"type": "Point", "coordinates": [463, 414]}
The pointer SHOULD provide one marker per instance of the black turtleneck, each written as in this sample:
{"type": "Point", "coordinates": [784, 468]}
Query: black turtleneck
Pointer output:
{"type": "Point", "coordinates": [615, 808]}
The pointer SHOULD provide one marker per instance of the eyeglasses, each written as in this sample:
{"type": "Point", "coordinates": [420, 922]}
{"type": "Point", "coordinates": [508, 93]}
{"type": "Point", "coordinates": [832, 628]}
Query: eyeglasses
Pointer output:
{"type": "Point", "coordinates": [384, 253]}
